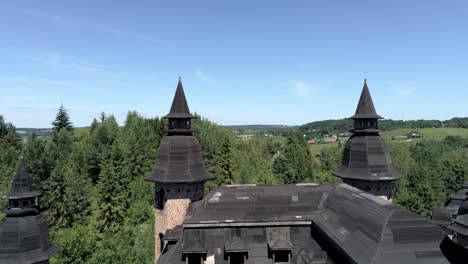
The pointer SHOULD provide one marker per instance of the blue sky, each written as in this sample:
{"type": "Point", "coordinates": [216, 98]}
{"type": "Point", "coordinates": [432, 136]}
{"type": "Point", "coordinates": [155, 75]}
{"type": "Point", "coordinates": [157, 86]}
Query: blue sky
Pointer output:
{"type": "Point", "coordinates": [241, 62]}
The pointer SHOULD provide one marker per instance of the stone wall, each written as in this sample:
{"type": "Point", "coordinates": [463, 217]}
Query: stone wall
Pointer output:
{"type": "Point", "coordinates": [176, 200]}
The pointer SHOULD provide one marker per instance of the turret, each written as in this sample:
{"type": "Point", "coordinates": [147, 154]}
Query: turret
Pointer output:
{"type": "Point", "coordinates": [24, 236]}
{"type": "Point", "coordinates": [366, 162]}
{"type": "Point", "coordinates": [179, 173]}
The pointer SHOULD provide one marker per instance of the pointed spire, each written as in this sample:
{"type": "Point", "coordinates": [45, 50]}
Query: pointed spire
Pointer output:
{"type": "Point", "coordinates": [365, 108]}
{"type": "Point", "coordinates": [22, 184]}
{"type": "Point", "coordinates": [179, 108]}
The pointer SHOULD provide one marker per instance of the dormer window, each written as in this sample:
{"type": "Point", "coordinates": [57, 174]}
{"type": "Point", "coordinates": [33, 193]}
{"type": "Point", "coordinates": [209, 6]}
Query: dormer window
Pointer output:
{"type": "Point", "coordinates": [279, 244]}
{"type": "Point", "coordinates": [281, 256]}
{"type": "Point", "coordinates": [237, 257]}
{"type": "Point", "coordinates": [195, 258]}
{"type": "Point", "coordinates": [235, 250]}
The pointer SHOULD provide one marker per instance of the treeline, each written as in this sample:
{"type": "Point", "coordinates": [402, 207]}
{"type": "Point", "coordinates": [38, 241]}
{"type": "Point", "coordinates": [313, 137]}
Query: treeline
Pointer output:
{"type": "Point", "coordinates": [431, 171]}
{"type": "Point", "coordinates": [98, 206]}
{"type": "Point", "coordinates": [100, 210]}
{"type": "Point", "coordinates": [319, 128]}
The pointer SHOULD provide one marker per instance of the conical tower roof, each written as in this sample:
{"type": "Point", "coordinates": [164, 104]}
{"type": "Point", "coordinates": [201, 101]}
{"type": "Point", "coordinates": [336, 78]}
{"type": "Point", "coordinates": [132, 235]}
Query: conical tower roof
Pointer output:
{"type": "Point", "coordinates": [365, 155]}
{"type": "Point", "coordinates": [365, 108]}
{"type": "Point", "coordinates": [22, 184]}
{"type": "Point", "coordinates": [179, 108]}
{"type": "Point", "coordinates": [24, 236]}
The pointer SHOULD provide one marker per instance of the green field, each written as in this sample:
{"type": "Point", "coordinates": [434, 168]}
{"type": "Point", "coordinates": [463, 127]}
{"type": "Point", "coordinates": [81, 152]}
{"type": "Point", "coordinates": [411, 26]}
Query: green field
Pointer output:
{"type": "Point", "coordinates": [316, 148]}
{"type": "Point", "coordinates": [428, 133]}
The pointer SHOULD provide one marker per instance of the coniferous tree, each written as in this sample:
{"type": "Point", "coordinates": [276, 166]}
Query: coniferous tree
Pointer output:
{"type": "Point", "coordinates": [33, 155]}
{"type": "Point", "coordinates": [54, 196]}
{"type": "Point", "coordinates": [109, 211]}
{"type": "Point", "coordinates": [294, 165]}
{"type": "Point", "coordinates": [62, 120]}
{"type": "Point", "coordinates": [10, 145]}
{"type": "Point", "coordinates": [226, 161]}
{"type": "Point", "coordinates": [100, 142]}
{"type": "Point", "coordinates": [140, 145]}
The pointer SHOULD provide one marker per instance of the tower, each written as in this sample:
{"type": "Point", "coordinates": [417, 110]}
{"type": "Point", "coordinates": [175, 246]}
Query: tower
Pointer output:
{"type": "Point", "coordinates": [179, 173]}
{"type": "Point", "coordinates": [24, 236]}
{"type": "Point", "coordinates": [366, 162]}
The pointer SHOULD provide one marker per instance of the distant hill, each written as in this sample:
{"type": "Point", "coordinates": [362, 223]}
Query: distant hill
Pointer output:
{"type": "Point", "coordinates": [316, 128]}
{"type": "Point", "coordinates": [258, 127]}
{"type": "Point", "coordinates": [24, 132]}
{"type": "Point", "coordinates": [40, 132]}
{"type": "Point", "coordinates": [343, 125]}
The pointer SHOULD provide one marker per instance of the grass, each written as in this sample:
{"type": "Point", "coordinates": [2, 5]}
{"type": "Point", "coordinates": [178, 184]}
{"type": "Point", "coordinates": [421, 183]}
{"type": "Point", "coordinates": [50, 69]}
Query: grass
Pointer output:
{"type": "Point", "coordinates": [316, 148]}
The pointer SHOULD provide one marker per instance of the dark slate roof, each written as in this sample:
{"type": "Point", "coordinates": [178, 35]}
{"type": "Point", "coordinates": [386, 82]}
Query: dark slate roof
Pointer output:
{"type": "Point", "coordinates": [366, 157]}
{"type": "Point", "coordinates": [456, 205]}
{"type": "Point", "coordinates": [332, 223]}
{"type": "Point", "coordinates": [25, 240]}
{"type": "Point", "coordinates": [460, 225]}
{"type": "Point", "coordinates": [173, 234]}
{"type": "Point", "coordinates": [179, 159]}
{"type": "Point", "coordinates": [365, 108]}
{"type": "Point", "coordinates": [22, 184]}
{"type": "Point", "coordinates": [454, 252]}
{"type": "Point", "coordinates": [179, 108]}
{"type": "Point", "coordinates": [442, 217]}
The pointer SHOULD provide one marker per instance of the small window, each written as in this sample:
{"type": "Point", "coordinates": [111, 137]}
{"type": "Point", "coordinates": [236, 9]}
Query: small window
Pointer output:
{"type": "Point", "coordinates": [195, 258]}
{"type": "Point", "coordinates": [15, 204]}
{"type": "Point", "coordinates": [179, 124]}
{"type": "Point", "coordinates": [25, 203]}
{"type": "Point", "coordinates": [281, 256]}
{"type": "Point", "coordinates": [160, 200]}
{"type": "Point", "coordinates": [237, 257]}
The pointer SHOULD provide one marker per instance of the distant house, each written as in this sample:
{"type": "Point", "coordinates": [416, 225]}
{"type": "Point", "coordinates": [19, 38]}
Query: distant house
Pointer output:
{"type": "Point", "coordinates": [245, 137]}
{"type": "Point", "coordinates": [311, 141]}
{"type": "Point", "coordinates": [413, 134]}
{"type": "Point", "coordinates": [343, 139]}
{"type": "Point", "coordinates": [328, 140]}
{"type": "Point", "coordinates": [345, 134]}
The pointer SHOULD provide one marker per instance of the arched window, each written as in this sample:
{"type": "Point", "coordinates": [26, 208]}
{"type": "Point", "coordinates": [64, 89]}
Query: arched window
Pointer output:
{"type": "Point", "coordinates": [160, 200]}
{"type": "Point", "coordinates": [161, 242]}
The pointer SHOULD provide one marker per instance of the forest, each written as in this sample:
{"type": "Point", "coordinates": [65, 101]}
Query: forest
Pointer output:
{"type": "Point", "coordinates": [100, 209]}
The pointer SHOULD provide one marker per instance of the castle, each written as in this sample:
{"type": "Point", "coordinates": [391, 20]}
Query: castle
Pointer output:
{"type": "Point", "coordinates": [351, 222]}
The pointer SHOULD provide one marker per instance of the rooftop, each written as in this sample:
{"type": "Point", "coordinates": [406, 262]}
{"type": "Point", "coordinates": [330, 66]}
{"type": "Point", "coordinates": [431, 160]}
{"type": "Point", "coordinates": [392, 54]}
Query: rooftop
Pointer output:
{"type": "Point", "coordinates": [330, 223]}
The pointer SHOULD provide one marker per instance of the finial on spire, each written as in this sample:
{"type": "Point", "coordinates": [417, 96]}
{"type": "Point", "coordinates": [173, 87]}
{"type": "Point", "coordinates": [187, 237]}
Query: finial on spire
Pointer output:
{"type": "Point", "coordinates": [365, 81]}
{"type": "Point", "coordinates": [180, 79]}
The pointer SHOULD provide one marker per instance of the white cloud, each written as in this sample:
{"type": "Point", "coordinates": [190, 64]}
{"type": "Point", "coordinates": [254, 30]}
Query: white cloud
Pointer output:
{"type": "Point", "coordinates": [300, 88]}
{"type": "Point", "coordinates": [58, 60]}
{"type": "Point", "coordinates": [203, 76]}
{"type": "Point", "coordinates": [402, 90]}
{"type": "Point", "coordinates": [85, 25]}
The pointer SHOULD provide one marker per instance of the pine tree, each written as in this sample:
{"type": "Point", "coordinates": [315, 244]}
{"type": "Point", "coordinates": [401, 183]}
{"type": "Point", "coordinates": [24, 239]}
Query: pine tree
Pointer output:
{"type": "Point", "coordinates": [294, 165]}
{"type": "Point", "coordinates": [225, 161]}
{"type": "Point", "coordinates": [140, 143]}
{"type": "Point", "coordinates": [10, 145]}
{"type": "Point", "coordinates": [109, 212]}
{"type": "Point", "coordinates": [54, 196]}
{"type": "Point", "coordinates": [101, 139]}
{"type": "Point", "coordinates": [62, 120]}
{"type": "Point", "coordinates": [33, 155]}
